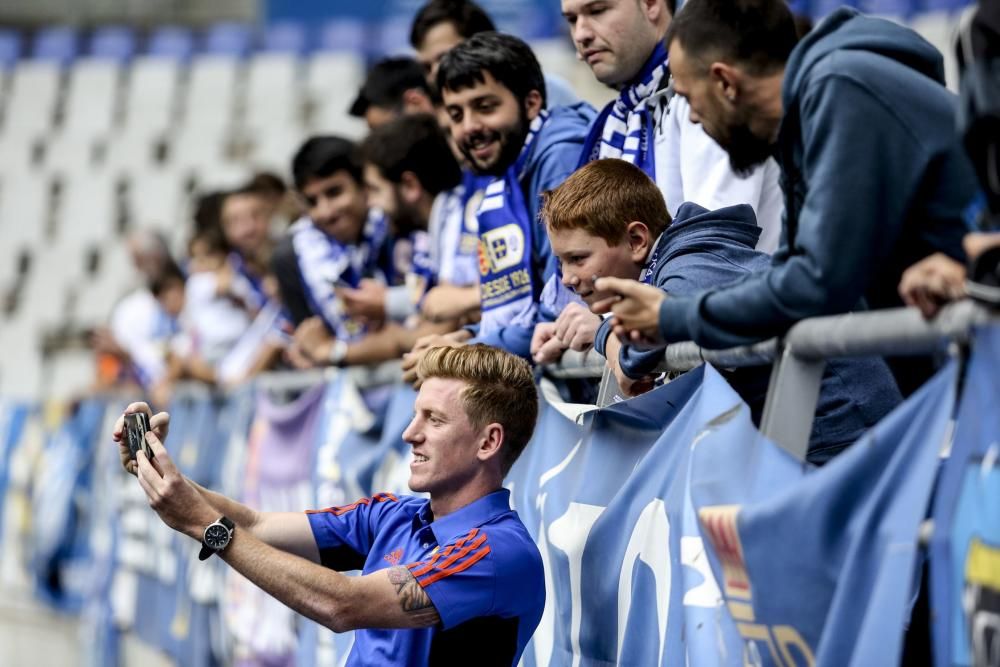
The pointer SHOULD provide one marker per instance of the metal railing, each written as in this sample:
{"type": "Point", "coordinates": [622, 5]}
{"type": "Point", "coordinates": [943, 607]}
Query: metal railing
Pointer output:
{"type": "Point", "coordinates": [799, 358]}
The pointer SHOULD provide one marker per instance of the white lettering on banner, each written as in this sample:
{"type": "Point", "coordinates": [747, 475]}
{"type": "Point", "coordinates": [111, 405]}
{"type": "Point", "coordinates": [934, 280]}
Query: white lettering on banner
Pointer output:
{"type": "Point", "coordinates": [544, 637]}
{"type": "Point", "coordinates": [650, 542]}
{"type": "Point", "coordinates": [569, 534]}
{"type": "Point", "coordinates": [555, 470]}
{"type": "Point", "coordinates": [707, 593]}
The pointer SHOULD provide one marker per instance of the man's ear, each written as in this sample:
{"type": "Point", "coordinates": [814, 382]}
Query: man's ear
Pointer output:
{"type": "Point", "coordinates": [653, 9]}
{"type": "Point", "coordinates": [726, 80]}
{"type": "Point", "coordinates": [640, 241]}
{"type": "Point", "coordinates": [416, 100]}
{"type": "Point", "coordinates": [533, 104]}
{"type": "Point", "coordinates": [490, 442]}
{"type": "Point", "coordinates": [410, 188]}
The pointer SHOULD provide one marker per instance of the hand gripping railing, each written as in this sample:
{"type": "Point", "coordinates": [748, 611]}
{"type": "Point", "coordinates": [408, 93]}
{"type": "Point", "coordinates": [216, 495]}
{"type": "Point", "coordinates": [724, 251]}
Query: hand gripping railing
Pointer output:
{"type": "Point", "coordinates": [799, 357]}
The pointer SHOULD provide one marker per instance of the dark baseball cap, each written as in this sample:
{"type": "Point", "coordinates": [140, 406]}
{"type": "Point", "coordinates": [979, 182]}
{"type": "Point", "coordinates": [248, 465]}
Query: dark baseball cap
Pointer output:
{"type": "Point", "coordinates": [386, 82]}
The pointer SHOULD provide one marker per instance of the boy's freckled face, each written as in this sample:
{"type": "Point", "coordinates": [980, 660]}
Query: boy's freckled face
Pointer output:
{"type": "Point", "coordinates": [584, 258]}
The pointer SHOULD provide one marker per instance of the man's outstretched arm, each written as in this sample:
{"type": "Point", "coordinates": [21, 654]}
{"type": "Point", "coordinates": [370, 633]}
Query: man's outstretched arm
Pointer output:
{"type": "Point", "coordinates": [387, 599]}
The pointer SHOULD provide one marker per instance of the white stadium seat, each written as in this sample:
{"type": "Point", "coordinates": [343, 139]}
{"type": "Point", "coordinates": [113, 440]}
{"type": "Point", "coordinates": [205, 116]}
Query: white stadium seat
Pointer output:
{"type": "Point", "coordinates": [151, 95]}
{"type": "Point", "coordinates": [212, 90]}
{"type": "Point", "coordinates": [91, 97]}
{"type": "Point", "coordinates": [197, 146]}
{"type": "Point", "coordinates": [34, 92]}
{"type": "Point", "coordinates": [273, 150]}
{"type": "Point", "coordinates": [133, 149]}
{"type": "Point", "coordinates": [272, 93]}
{"type": "Point", "coordinates": [20, 360]}
{"type": "Point", "coordinates": [44, 299]}
{"type": "Point", "coordinates": [17, 150]}
{"type": "Point", "coordinates": [88, 213]}
{"type": "Point", "coordinates": [69, 374]}
{"type": "Point", "coordinates": [68, 155]}
{"type": "Point", "coordinates": [154, 199]}
{"type": "Point", "coordinates": [24, 201]}
{"type": "Point", "coordinates": [332, 81]}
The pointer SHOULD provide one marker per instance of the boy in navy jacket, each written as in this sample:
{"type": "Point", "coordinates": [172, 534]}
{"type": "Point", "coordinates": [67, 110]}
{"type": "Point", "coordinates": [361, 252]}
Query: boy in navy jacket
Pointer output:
{"type": "Point", "coordinates": [609, 219]}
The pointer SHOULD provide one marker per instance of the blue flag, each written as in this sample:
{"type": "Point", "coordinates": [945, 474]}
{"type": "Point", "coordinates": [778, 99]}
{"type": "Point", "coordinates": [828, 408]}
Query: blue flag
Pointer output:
{"type": "Point", "coordinates": [965, 549]}
{"type": "Point", "coordinates": [13, 417]}
{"type": "Point", "coordinates": [61, 504]}
{"type": "Point", "coordinates": [818, 566]}
{"type": "Point", "coordinates": [606, 500]}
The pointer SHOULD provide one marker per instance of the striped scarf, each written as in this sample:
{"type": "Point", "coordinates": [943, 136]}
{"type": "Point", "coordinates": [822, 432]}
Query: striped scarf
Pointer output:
{"type": "Point", "coordinates": [624, 128]}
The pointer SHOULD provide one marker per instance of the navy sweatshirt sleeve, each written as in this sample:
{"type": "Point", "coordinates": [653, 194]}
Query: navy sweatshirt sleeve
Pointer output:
{"type": "Point", "coordinates": [848, 224]}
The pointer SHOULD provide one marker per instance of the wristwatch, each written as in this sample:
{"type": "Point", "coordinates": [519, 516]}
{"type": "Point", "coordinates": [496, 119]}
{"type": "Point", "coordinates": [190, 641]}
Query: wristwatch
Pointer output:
{"type": "Point", "coordinates": [217, 536]}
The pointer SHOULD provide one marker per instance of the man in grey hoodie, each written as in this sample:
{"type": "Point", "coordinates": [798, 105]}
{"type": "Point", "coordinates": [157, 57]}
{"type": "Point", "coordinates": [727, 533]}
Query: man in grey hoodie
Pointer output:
{"type": "Point", "coordinates": [873, 175]}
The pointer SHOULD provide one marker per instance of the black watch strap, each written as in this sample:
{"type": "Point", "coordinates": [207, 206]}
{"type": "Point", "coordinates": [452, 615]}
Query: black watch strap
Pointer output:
{"type": "Point", "coordinates": [207, 551]}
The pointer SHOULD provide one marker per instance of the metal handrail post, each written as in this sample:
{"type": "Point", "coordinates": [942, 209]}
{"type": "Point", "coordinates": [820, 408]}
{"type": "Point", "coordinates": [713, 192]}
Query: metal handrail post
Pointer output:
{"type": "Point", "coordinates": [790, 405]}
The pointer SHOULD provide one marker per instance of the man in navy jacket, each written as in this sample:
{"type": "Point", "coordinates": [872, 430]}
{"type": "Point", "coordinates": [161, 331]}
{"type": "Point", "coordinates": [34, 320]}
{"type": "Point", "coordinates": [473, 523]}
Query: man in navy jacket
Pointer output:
{"type": "Point", "coordinates": [873, 175]}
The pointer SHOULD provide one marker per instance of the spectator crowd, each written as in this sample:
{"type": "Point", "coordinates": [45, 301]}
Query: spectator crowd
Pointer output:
{"type": "Point", "coordinates": [752, 171]}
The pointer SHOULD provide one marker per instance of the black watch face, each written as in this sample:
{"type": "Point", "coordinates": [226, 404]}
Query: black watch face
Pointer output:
{"type": "Point", "coordinates": [217, 536]}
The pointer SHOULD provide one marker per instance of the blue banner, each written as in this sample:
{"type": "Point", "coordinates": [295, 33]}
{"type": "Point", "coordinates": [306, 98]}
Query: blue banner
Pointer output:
{"type": "Point", "coordinates": [606, 500]}
{"type": "Point", "coordinates": [819, 566]}
{"type": "Point", "coordinates": [60, 508]}
{"type": "Point", "coordinates": [965, 549]}
{"type": "Point", "coordinates": [13, 417]}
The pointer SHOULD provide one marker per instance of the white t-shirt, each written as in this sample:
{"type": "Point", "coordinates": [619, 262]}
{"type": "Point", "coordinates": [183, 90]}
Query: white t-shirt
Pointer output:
{"type": "Point", "coordinates": [212, 323]}
{"type": "Point", "coordinates": [144, 330]}
{"type": "Point", "coordinates": [690, 166]}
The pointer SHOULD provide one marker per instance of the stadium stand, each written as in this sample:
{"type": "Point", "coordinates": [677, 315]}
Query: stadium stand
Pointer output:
{"type": "Point", "coordinates": [111, 129]}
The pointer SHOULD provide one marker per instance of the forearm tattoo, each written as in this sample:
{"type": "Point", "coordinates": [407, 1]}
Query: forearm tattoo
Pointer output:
{"type": "Point", "coordinates": [411, 596]}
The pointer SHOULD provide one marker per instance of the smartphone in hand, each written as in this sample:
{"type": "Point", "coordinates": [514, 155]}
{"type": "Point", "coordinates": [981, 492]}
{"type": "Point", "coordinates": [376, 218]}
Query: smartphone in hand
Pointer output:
{"type": "Point", "coordinates": [136, 426]}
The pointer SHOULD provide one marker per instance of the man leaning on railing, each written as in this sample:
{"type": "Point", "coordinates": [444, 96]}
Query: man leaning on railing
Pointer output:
{"type": "Point", "coordinates": [872, 181]}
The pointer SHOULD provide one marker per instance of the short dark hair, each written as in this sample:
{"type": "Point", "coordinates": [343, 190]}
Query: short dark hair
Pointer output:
{"type": "Point", "coordinates": [170, 275]}
{"type": "Point", "coordinates": [268, 184]}
{"type": "Point", "coordinates": [417, 144]}
{"type": "Point", "coordinates": [320, 157]}
{"type": "Point", "coordinates": [758, 34]}
{"type": "Point", "coordinates": [467, 17]}
{"type": "Point", "coordinates": [386, 83]}
{"type": "Point", "coordinates": [509, 59]}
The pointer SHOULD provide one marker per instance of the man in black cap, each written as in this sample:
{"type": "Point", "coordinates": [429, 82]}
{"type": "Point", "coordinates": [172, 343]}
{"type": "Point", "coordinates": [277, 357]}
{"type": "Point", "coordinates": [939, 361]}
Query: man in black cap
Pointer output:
{"type": "Point", "coordinates": [394, 87]}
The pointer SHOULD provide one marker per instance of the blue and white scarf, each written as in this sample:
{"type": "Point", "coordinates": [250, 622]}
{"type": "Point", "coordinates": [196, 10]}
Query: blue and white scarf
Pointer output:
{"type": "Point", "coordinates": [421, 274]}
{"type": "Point", "coordinates": [507, 287]}
{"type": "Point", "coordinates": [246, 286]}
{"type": "Point", "coordinates": [624, 128]}
{"type": "Point", "coordinates": [325, 263]}
{"type": "Point", "coordinates": [454, 231]}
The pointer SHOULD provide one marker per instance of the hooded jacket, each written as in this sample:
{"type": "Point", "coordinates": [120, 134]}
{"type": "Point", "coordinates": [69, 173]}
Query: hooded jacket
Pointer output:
{"type": "Point", "coordinates": [553, 157]}
{"type": "Point", "coordinates": [874, 179]}
{"type": "Point", "coordinates": [704, 249]}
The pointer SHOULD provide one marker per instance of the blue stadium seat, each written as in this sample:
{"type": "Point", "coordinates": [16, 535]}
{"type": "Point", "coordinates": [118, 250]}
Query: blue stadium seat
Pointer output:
{"type": "Point", "coordinates": [113, 42]}
{"type": "Point", "coordinates": [286, 37]}
{"type": "Point", "coordinates": [343, 35]}
{"type": "Point", "coordinates": [171, 42]}
{"type": "Point", "coordinates": [10, 48]}
{"type": "Point", "coordinates": [233, 39]}
{"type": "Point", "coordinates": [59, 44]}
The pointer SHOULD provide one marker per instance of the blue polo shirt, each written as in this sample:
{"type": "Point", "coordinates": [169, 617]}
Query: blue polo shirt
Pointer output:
{"type": "Point", "coordinates": [478, 565]}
